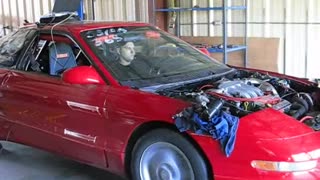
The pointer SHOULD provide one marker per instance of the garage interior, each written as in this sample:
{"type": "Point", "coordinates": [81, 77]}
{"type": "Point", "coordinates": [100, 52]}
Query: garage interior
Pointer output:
{"type": "Point", "coordinates": [273, 35]}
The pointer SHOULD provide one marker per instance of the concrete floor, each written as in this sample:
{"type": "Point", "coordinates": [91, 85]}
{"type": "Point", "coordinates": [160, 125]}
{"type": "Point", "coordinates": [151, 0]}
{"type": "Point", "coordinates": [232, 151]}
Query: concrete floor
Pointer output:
{"type": "Point", "coordinates": [18, 162]}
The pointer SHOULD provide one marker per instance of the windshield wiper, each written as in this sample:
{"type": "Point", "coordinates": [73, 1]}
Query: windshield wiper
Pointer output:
{"type": "Point", "coordinates": [159, 88]}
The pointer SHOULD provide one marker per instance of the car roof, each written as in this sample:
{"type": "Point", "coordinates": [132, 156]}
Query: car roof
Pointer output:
{"type": "Point", "coordinates": [78, 26]}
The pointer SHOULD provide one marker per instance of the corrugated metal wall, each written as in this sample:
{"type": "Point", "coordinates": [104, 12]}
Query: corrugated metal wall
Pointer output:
{"type": "Point", "coordinates": [119, 10]}
{"type": "Point", "coordinates": [14, 12]}
{"type": "Point", "coordinates": [296, 22]}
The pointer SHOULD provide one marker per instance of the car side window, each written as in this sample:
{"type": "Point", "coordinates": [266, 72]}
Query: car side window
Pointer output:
{"type": "Point", "coordinates": [54, 57]}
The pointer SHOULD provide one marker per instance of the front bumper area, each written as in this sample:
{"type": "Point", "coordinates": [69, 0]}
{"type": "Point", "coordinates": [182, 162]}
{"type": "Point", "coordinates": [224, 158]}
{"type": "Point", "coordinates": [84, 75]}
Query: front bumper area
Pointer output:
{"type": "Point", "coordinates": [238, 165]}
{"type": "Point", "coordinates": [313, 174]}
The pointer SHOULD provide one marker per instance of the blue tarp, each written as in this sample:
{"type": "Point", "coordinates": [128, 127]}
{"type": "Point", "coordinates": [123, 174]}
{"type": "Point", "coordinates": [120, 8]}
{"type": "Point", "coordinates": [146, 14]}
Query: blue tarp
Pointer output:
{"type": "Point", "coordinates": [222, 127]}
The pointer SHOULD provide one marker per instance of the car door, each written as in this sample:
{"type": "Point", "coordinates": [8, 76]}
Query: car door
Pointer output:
{"type": "Point", "coordinates": [12, 47]}
{"type": "Point", "coordinates": [60, 117]}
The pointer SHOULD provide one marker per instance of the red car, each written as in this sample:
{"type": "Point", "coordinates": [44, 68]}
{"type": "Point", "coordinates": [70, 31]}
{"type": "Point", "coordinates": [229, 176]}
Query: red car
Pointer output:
{"type": "Point", "coordinates": [136, 101]}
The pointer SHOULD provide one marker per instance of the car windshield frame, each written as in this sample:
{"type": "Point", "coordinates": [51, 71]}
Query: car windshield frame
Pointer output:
{"type": "Point", "coordinates": [193, 64]}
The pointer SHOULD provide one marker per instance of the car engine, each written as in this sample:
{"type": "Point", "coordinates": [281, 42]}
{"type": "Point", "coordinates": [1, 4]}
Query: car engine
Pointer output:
{"type": "Point", "coordinates": [252, 94]}
{"type": "Point", "coordinates": [246, 92]}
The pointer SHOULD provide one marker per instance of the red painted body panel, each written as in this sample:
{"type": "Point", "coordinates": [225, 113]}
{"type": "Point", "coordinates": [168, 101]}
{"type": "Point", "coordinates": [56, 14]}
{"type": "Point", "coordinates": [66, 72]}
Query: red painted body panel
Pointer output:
{"type": "Point", "coordinates": [93, 123]}
{"type": "Point", "coordinates": [130, 109]}
{"type": "Point", "coordinates": [49, 107]}
{"type": "Point", "coordinates": [259, 139]}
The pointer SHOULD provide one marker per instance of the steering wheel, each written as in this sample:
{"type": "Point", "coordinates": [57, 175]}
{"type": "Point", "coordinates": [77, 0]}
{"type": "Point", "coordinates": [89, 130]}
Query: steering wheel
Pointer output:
{"type": "Point", "coordinates": [155, 69]}
{"type": "Point", "coordinates": [166, 50]}
{"type": "Point", "coordinates": [164, 63]}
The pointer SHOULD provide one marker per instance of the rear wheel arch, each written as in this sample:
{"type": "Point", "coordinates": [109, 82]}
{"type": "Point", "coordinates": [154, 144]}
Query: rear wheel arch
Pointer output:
{"type": "Point", "coordinates": [150, 126]}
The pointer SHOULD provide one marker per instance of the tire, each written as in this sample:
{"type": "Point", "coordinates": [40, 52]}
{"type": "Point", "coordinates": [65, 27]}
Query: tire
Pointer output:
{"type": "Point", "coordinates": [163, 154]}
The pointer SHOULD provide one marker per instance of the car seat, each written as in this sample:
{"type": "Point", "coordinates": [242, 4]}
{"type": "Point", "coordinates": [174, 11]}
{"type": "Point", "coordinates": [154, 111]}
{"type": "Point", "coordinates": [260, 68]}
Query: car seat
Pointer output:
{"type": "Point", "coordinates": [61, 58]}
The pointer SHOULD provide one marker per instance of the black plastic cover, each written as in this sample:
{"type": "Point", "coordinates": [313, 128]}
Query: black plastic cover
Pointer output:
{"type": "Point", "coordinates": [12, 45]}
{"type": "Point", "coordinates": [66, 6]}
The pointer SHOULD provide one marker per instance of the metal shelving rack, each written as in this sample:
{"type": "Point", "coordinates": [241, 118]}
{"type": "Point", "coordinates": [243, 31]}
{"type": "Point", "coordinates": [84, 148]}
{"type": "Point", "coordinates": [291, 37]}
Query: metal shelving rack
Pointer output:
{"type": "Point", "coordinates": [224, 8]}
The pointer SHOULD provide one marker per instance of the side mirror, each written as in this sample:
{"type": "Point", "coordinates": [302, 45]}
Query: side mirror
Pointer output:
{"type": "Point", "coordinates": [82, 75]}
{"type": "Point", "coordinates": [204, 51]}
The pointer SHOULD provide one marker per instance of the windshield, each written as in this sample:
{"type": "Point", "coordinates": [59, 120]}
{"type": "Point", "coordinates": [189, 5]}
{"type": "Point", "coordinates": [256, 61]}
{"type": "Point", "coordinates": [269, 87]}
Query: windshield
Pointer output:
{"type": "Point", "coordinates": [146, 56]}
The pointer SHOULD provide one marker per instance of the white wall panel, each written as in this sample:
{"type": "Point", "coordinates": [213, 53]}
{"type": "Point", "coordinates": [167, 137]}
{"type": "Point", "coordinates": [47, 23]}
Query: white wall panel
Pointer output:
{"type": "Point", "coordinates": [276, 10]}
{"type": "Point", "coordinates": [121, 10]}
{"type": "Point", "coordinates": [313, 61]}
{"type": "Point", "coordinates": [256, 10]}
{"type": "Point", "coordinates": [203, 29]}
{"type": "Point", "coordinates": [38, 9]}
{"type": "Point", "coordinates": [238, 15]}
{"type": "Point", "coordinates": [314, 13]}
{"type": "Point", "coordinates": [256, 30]}
{"type": "Point", "coordinates": [15, 11]}
{"type": "Point", "coordinates": [217, 29]}
{"type": "Point", "coordinates": [238, 30]}
{"type": "Point", "coordinates": [202, 16]}
{"type": "Point", "coordinates": [130, 10]}
{"type": "Point", "coordinates": [296, 10]}
{"type": "Point", "coordinates": [30, 10]}
{"type": "Point", "coordinates": [1, 20]}
{"type": "Point", "coordinates": [186, 30]}
{"type": "Point", "coordinates": [185, 16]}
{"type": "Point", "coordinates": [295, 22]}
{"type": "Point", "coordinates": [295, 50]}
{"type": "Point", "coordinates": [6, 15]}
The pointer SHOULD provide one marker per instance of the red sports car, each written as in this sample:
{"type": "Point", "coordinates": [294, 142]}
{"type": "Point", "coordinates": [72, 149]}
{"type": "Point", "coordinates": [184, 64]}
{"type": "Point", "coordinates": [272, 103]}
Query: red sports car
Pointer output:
{"type": "Point", "coordinates": [136, 101]}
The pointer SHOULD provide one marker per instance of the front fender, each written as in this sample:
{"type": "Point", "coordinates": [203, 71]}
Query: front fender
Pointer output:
{"type": "Point", "coordinates": [265, 135]}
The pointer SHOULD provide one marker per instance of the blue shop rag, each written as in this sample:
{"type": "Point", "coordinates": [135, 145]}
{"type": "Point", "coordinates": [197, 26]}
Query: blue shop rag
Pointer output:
{"type": "Point", "coordinates": [222, 127]}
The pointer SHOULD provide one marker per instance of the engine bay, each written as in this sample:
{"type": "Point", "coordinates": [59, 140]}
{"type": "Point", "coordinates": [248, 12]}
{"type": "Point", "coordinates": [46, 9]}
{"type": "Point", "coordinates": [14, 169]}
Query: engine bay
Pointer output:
{"type": "Point", "coordinates": [244, 92]}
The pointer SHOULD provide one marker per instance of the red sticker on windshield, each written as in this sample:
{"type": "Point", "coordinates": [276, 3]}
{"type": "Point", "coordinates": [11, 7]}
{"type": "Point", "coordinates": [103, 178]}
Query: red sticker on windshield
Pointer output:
{"type": "Point", "coordinates": [152, 34]}
{"type": "Point", "coordinates": [108, 39]}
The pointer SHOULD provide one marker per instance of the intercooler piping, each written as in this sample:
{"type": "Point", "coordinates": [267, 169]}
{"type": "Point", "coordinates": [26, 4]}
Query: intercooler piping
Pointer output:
{"type": "Point", "coordinates": [262, 99]}
{"type": "Point", "coordinates": [299, 107]}
{"type": "Point", "coordinates": [297, 110]}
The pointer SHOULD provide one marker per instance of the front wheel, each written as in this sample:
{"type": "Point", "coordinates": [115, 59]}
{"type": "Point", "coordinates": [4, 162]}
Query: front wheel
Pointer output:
{"type": "Point", "coordinates": [166, 155]}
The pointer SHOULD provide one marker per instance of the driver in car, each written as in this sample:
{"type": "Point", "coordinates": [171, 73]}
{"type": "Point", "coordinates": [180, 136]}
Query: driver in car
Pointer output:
{"type": "Point", "coordinates": [126, 53]}
{"type": "Point", "coordinates": [128, 66]}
